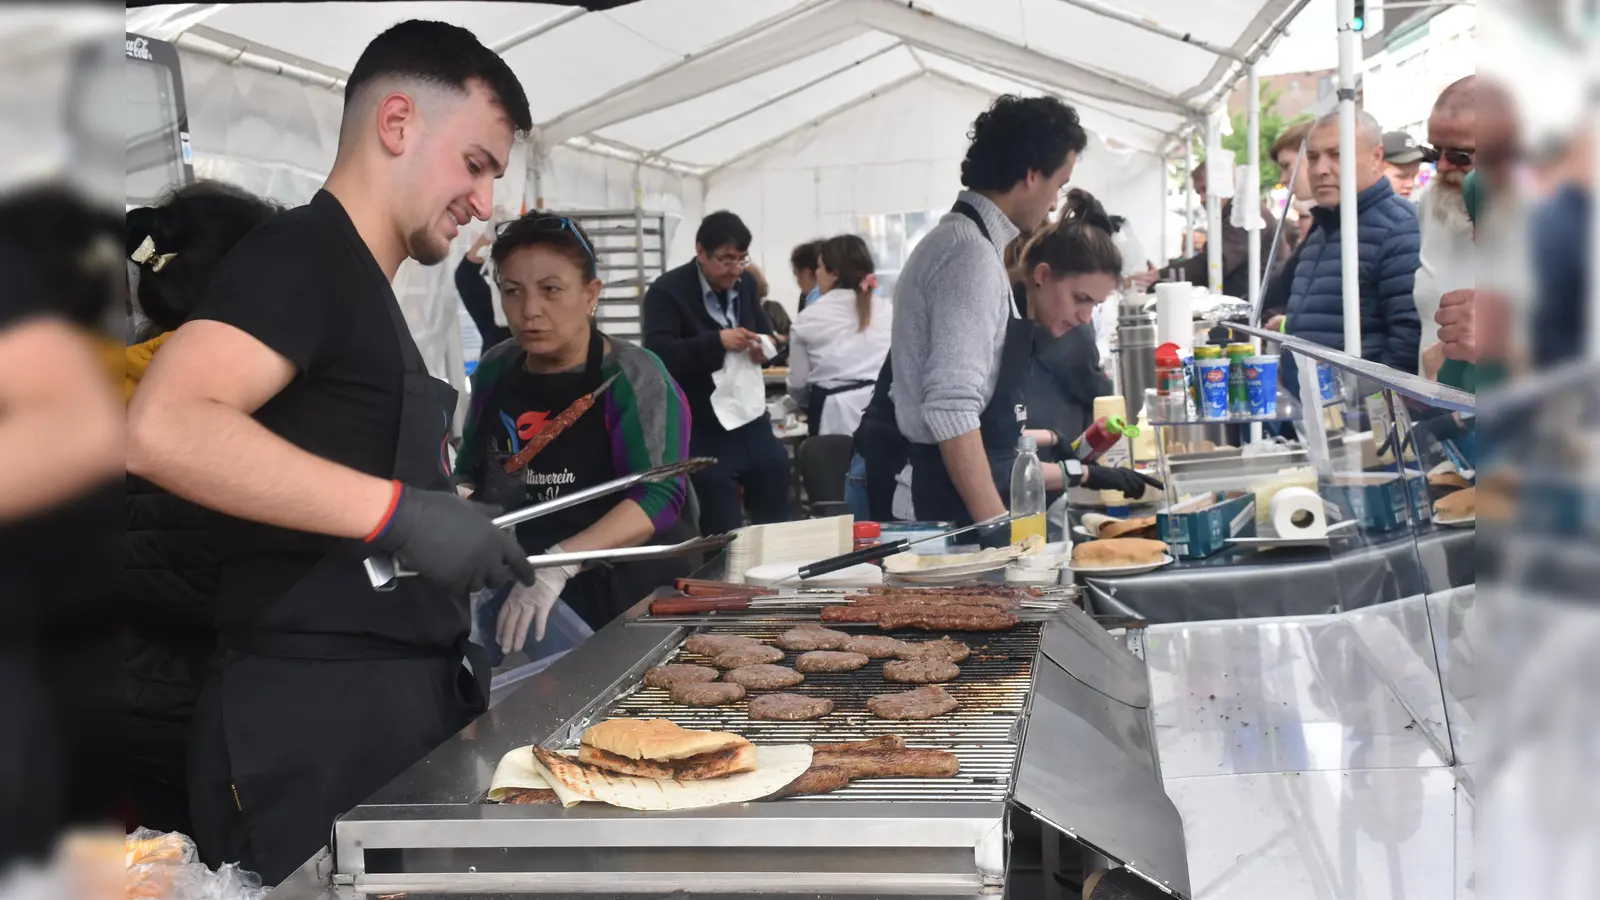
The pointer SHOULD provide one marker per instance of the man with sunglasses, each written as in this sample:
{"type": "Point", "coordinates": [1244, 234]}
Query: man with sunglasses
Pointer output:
{"type": "Point", "coordinates": [694, 316]}
{"type": "Point", "coordinates": [1447, 258]}
{"type": "Point", "coordinates": [296, 402]}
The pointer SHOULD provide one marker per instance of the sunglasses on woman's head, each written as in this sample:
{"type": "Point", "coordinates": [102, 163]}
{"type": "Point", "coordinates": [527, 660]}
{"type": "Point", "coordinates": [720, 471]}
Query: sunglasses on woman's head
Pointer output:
{"type": "Point", "coordinates": [1454, 155]}
{"type": "Point", "coordinates": [547, 223]}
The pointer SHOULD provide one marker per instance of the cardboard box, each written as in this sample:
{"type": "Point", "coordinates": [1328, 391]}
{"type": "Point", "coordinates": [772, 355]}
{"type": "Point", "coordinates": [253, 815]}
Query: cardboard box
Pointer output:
{"type": "Point", "coordinates": [1198, 528]}
{"type": "Point", "coordinates": [1378, 500]}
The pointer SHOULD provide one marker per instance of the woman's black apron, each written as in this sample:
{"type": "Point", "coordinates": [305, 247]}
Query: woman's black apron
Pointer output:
{"type": "Point", "coordinates": [578, 458]}
{"type": "Point", "coordinates": [933, 494]}
{"type": "Point", "coordinates": [335, 689]}
{"type": "Point", "coordinates": [817, 399]}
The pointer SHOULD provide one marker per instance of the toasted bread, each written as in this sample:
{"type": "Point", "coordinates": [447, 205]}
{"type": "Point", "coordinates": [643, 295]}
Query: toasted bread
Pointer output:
{"type": "Point", "coordinates": [1140, 526]}
{"type": "Point", "coordinates": [1109, 552]}
{"type": "Point", "coordinates": [656, 739]}
{"type": "Point", "coordinates": [1458, 505]}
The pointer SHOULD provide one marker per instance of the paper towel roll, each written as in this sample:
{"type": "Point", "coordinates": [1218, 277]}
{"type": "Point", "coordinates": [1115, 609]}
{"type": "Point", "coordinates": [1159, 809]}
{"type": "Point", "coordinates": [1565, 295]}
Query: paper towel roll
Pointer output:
{"type": "Point", "coordinates": [1299, 513]}
{"type": "Point", "coordinates": [1175, 314]}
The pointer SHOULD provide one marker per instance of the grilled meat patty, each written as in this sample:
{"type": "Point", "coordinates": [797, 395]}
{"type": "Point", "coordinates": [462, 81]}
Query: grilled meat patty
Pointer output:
{"type": "Point", "coordinates": [532, 797]}
{"type": "Point", "coordinates": [876, 646]}
{"type": "Point", "coordinates": [789, 707]}
{"type": "Point", "coordinates": [714, 644]}
{"type": "Point", "coordinates": [943, 648]}
{"type": "Point", "coordinates": [812, 637]}
{"type": "Point", "coordinates": [818, 661]}
{"type": "Point", "coordinates": [931, 670]}
{"type": "Point", "coordinates": [892, 616]}
{"type": "Point", "coordinates": [764, 677]}
{"type": "Point", "coordinates": [678, 673]}
{"type": "Point", "coordinates": [696, 693]}
{"type": "Point", "coordinates": [813, 781]}
{"type": "Point", "coordinates": [739, 657]}
{"type": "Point", "coordinates": [891, 763]}
{"type": "Point", "coordinates": [923, 703]}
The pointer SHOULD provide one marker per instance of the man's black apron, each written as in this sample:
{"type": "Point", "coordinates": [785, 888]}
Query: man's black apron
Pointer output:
{"type": "Point", "coordinates": [335, 688]}
{"type": "Point", "coordinates": [578, 458]}
{"type": "Point", "coordinates": [933, 494]}
{"type": "Point", "coordinates": [817, 400]}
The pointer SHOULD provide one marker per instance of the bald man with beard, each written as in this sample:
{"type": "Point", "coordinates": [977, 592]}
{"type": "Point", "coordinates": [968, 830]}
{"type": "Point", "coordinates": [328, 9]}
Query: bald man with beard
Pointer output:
{"type": "Point", "coordinates": [1447, 257]}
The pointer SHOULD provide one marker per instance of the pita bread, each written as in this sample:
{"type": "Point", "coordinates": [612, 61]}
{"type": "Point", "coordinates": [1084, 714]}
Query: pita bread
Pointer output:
{"type": "Point", "coordinates": [658, 739]}
{"type": "Point", "coordinates": [1111, 552]}
{"type": "Point", "coordinates": [696, 768]}
{"type": "Point", "coordinates": [1141, 526]}
{"type": "Point", "coordinates": [577, 783]}
{"type": "Point", "coordinates": [1460, 505]}
{"type": "Point", "coordinates": [516, 772]}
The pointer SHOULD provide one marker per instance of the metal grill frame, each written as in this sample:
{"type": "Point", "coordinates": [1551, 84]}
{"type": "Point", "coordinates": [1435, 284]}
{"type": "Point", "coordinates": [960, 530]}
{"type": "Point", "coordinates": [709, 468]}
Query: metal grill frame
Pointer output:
{"type": "Point", "coordinates": [993, 689]}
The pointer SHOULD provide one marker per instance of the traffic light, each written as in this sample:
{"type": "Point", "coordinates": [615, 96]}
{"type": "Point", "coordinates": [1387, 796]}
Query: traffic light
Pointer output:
{"type": "Point", "coordinates": [1360, 21]}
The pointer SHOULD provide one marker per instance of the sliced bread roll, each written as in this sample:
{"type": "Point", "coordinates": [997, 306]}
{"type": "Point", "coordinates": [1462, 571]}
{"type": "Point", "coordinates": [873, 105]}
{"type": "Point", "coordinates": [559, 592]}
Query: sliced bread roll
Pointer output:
{"type": "Point", "coordinates": [657, 739]}
{"type": "Point", "coordinates": [706, 766]}
{"type": "Point", "coordinates": [1448, 480]}
{"type": "Point", "coordinates": [1110, 552]}
{"type": "Point", "coordinates": [1141, 526]}
{"type": "Point", "coordinates": [1458, 505]}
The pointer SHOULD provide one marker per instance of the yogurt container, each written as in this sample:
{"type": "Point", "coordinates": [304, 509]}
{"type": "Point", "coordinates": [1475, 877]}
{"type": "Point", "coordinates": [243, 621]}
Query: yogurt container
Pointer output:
{"type": "Point", "coordinates": [1261, 385]}
{"type": "Point", "coordinates": [1327, 382]}
{"type": "Point", "coordinates": [1213, 388]}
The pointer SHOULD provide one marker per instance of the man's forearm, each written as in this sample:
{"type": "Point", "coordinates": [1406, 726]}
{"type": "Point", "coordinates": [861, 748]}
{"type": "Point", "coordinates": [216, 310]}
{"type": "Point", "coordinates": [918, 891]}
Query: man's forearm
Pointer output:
{"type": "Point", "coordinates": [222, 459]}
{"type": "Point", "coordinates": [968, 465]}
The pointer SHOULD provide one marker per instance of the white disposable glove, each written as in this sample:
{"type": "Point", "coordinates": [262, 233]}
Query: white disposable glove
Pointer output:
{"type": "Point", "coordinates": [530, 605]}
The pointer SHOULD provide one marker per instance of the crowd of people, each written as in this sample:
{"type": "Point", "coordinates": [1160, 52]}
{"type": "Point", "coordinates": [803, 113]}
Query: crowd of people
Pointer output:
{"type": "Point", "coordinates": [282, 426]}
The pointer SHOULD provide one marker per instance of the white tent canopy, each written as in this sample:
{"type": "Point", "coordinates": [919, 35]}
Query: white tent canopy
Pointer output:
{"type": "Point", "coordinates": [803, 116]}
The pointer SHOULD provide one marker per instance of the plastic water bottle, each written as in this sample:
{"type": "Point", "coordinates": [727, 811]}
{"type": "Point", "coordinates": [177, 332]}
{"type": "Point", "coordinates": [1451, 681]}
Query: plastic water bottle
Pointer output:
{"type": "Point", "coordinates": [1027, 492]}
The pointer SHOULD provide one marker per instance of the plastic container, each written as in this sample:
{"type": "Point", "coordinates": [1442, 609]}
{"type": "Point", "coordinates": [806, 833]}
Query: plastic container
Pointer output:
{"type": "Point", "coordinates": [1027, 492]}
{"type": "Point", "coordinates": [1172, 386]}
{"type": "Point", "coordinates": [1327, 382]}
{"type": "Point", "coordinates": [1238, 394]}
{"type": "Point", "coordinates": [1202, 353]}
{"type": "Point", "coordinates": [867, 534]}
{"type": "Point", "coordinates": [1261, 385]}
{"type": "Point", "coordinates": [1213, 389]}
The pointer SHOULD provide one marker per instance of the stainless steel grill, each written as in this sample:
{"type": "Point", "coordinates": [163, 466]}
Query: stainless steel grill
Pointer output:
{"type": "Point", "coordinates": [992, 689]}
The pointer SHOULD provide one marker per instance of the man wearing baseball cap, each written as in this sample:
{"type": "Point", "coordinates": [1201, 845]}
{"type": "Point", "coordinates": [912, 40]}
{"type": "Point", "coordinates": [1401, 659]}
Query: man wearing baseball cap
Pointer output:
{"type": "Point", "coordinates": [1401, 160]}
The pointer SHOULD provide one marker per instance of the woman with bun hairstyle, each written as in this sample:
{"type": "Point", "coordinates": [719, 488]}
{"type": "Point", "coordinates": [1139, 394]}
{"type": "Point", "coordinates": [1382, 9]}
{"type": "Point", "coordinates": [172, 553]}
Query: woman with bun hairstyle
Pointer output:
{"type": "Point", "coordinates": [1068, 268]}
{"type": "Point", "coordinates": [172, 556]}
{"type": "Point", "coordinates": [839, 341]}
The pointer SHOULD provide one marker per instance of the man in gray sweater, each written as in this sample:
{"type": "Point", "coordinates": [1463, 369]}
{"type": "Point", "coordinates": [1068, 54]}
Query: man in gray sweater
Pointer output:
{"type": "Point", "coordinates": [960, 353]}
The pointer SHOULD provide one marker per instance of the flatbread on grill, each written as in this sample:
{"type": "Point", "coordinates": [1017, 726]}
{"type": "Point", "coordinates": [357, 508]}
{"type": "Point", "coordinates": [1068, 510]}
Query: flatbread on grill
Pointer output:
{"type": "Point", "coordinates": [574, 782]}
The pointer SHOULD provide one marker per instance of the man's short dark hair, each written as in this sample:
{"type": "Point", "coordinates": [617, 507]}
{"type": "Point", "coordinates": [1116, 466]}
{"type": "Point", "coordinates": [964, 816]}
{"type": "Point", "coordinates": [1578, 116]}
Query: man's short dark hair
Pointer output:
{"type": "Point", "coordinates": [722, 229]}
{"type": "Point", "coordinates": [804, 256]}
{"type": "Point", "coordinates": [1018, 135]}
{"type": "Point", "coordinates": [440, 54]}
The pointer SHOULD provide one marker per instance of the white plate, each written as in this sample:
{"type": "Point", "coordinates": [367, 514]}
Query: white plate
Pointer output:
{"type": "Point", "coordinates": [946, 574]}
{"type": "Point", "coordinates": [862, 575]}
{"type": "Point", "coordinates": [1467, 522]}
{"type": "Point", "coordinates": [1113, 571]}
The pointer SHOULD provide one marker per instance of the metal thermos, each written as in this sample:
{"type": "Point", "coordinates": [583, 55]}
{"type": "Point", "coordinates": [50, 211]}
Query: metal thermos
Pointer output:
{"type": "Point", "coordinates": [1136, 351]}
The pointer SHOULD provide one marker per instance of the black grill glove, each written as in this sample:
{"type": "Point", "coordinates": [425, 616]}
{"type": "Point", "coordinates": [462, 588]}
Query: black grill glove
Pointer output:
{"type": "Point", "coordinates": [1131, 483]}
{"type": "Point", "coordinates": [452, 542]}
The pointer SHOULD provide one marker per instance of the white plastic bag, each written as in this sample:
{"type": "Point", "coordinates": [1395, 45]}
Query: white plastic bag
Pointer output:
{"type": "Point", "coordinates": [740, 395]}
{"type": "Point", "coordinates": [167, 867]}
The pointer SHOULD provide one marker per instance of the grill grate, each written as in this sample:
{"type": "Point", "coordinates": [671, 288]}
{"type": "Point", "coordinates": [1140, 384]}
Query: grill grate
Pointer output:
{"type": "Point", "coordinates": [993, 690]}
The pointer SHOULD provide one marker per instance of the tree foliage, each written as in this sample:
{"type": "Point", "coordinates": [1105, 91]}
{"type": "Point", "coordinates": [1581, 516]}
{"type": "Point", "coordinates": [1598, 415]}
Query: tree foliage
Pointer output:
{"type": "Point", "coordinates": [1272, 125]}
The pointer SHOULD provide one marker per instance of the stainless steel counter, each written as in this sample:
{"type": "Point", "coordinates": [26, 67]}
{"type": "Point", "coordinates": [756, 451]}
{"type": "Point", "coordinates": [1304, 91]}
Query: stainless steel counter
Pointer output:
{"type": "Point", "coordinates": [1081, 760]}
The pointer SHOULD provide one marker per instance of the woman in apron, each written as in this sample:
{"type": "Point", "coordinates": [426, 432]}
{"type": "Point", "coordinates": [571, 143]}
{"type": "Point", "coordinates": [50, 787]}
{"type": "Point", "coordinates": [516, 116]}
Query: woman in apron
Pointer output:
{"type": "Point", "coordinates": [550, 292]}
{"type": "Point", "coordinates": [840, 341]}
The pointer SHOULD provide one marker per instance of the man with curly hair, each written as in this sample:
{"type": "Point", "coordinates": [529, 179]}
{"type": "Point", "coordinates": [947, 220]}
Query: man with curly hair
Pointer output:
{"type": "Point", "coordinates": [961, 352]}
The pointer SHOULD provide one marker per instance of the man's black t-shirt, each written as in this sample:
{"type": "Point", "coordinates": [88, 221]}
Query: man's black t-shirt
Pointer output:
{"type": "Point", "coordinates": [300, 285]}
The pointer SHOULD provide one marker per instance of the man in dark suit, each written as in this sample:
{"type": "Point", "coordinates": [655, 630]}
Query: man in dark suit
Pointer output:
{"type": "Point", "coordinates": [694, 316]}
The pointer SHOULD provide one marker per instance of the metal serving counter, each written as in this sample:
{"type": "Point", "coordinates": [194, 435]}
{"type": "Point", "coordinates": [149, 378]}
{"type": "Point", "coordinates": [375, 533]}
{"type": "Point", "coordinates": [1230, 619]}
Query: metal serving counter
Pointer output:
{"type": "Point", "coordinates": [1054, 736]}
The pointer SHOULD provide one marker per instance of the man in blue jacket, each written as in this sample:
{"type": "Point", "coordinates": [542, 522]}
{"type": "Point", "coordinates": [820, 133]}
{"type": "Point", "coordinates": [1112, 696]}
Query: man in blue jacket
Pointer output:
{"type": "Point", "coordinates": [1390, 242]}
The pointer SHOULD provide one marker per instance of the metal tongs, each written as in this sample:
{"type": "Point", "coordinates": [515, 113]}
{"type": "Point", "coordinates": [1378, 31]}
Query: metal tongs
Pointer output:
{"type": "Point", "coordinates": [383, 569]}
{"type": "Point", "coordinates": [886, 550]}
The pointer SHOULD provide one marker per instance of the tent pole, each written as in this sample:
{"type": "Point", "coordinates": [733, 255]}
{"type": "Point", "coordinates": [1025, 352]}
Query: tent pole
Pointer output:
{"type": "Point", "coordinates": [1349, 246]}
{"type": "Point", "coordinates": [1213, 205]}
{"type": "Point", "coordinates": [1252, 188]}
{"type": "Point", "coordinates": [1188, 194]}
{"type": "Point", "coordinates": [528, 34]}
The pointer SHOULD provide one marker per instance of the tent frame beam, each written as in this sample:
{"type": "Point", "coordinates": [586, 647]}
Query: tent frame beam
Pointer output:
{"type": "Point", "coordinates": [778, 98]}
{"type": "Point", "coordinates": [1154, 27]}
{"type": "Point", "coordinates": [528, 34]}
{"type": "Point", "coordinates": [813, 123]}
